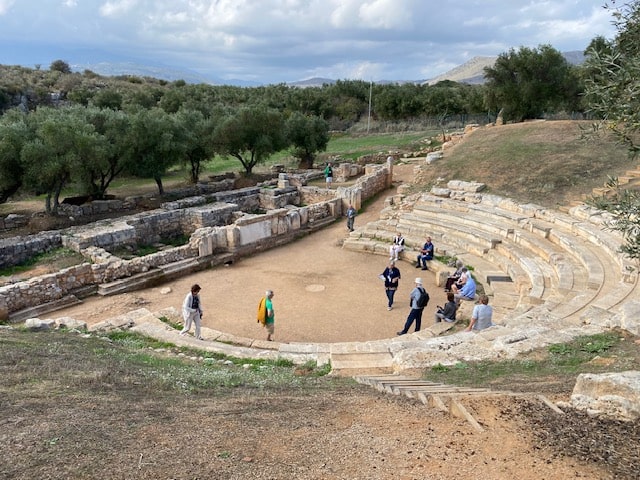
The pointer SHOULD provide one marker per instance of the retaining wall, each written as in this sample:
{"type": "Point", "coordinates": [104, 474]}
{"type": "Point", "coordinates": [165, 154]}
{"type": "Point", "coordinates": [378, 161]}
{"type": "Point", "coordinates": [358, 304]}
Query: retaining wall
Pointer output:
{"type": "Point", "coordinates": [215, 228]}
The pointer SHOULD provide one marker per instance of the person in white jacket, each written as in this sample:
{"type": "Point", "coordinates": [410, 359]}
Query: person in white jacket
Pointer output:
{"type": "Point", "coordinates": [192, 311]}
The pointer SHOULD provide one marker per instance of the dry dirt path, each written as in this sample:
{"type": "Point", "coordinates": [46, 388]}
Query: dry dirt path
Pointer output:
{"type": "Point", "coordinates": [323, 293]}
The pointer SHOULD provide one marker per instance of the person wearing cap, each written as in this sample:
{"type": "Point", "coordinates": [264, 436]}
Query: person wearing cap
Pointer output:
{"type": "Point", "coordinates": [416, 312]}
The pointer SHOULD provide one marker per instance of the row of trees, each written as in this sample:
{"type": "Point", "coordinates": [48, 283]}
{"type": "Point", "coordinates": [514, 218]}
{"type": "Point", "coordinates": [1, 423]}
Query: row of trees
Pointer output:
{"type": "Point", "coordinates": [87, 129]}
{"type": "Point", "coordinates": [525, 84]}
{"type": "Point", "coordinates": [46, 150]}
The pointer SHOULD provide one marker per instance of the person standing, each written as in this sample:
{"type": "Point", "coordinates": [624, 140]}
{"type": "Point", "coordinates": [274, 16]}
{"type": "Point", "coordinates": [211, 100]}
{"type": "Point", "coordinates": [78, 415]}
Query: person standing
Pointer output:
{"type": "Point", "coordinates": [328, 174]}
{"type": "Point", "coordinates": [481, 315]}
{"type": "Point", "coordinates": [391, 276]}
{"type": "Point", "coordinates": [448, 312]}
{"type": "Point", "coordinates": [271, 316]}
{"type": "Point", "coordinates": [351, 216]}
{"type": "Point", "coordinates": [192, 311]}
{"type": "Point", "coordinates": [416, 309]}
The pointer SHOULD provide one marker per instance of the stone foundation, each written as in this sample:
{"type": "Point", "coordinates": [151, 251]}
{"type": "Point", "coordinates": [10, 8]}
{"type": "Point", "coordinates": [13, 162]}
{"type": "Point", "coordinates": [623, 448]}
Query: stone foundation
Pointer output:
{"type": "Point", "coordinates": [218, 223]}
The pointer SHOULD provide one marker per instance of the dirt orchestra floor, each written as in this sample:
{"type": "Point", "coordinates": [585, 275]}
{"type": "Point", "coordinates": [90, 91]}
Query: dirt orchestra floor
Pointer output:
{"type": "Point", "coordinates": [323, 293]}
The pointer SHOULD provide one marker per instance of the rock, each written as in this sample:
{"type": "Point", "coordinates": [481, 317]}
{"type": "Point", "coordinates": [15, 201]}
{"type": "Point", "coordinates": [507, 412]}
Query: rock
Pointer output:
{"type": "Point", "coordinates": [36, 324]}
{"type": "Point", "coordinates": [70, 323]}
{"type": "Point", "coordinates": [612, 394]}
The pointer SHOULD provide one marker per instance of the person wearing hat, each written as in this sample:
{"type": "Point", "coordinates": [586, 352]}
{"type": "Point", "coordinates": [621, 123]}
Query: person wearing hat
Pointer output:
{"type": "Point", "coordinates": [416, 309]}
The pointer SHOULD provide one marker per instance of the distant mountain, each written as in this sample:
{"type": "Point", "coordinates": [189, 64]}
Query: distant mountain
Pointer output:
{"type": "Point", "coordinates": [161, 72]}
{"type": "Point", "coordinates": [312, 82]}
{"type": "Point", "coordinates": [472, 72]}
{"type": "Point", "coordinates": [469, 72]}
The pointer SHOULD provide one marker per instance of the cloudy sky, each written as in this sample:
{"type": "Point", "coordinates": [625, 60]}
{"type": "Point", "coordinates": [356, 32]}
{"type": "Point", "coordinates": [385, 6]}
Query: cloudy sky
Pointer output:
{"type": "Point", "coordinates": [273, 41]}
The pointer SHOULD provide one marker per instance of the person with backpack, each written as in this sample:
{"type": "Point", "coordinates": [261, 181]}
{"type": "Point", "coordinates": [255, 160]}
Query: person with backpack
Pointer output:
{"type": "Point", "coordinates": [418, 300]}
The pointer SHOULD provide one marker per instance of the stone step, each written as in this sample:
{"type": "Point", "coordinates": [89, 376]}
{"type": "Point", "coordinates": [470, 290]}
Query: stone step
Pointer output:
{"type": "Point", "coordinates": [134, 282]}
{"type": "Point", "coordinates": [37, 311]}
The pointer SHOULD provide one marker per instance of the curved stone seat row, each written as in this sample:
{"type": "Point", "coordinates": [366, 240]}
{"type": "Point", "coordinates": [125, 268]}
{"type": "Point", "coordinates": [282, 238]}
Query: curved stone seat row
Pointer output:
{"type": "Point", "coordinates": [553, 259]}
{"type": "Point", "coordinates": [553, 276]}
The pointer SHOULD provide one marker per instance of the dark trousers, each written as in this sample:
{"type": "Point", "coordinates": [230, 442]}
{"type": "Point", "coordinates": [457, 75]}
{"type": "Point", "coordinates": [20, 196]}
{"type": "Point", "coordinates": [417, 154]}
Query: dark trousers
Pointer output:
{"type": "Point", "coordinates": [390, 294]}
{"type": "Point", "coordinates": [450, 282]}
{"type": "Point", "coordinates": [414, 315]}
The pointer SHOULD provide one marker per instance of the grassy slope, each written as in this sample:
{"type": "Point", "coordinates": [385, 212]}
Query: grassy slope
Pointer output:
{"type": "Point", "coordinates": [547, 163]}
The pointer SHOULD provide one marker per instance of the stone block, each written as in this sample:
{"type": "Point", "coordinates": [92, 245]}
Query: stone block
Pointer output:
{"type": "Point", "coordinates": [36, 324]}
{"type": "Point", "coordinates": [612, 394]}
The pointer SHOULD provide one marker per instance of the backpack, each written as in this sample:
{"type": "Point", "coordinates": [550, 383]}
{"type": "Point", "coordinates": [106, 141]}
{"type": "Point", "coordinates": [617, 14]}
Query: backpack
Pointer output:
{"type": "Point", "coordinates": [423, 299]}
{"type": "Point", "coordinates": [262, 311]}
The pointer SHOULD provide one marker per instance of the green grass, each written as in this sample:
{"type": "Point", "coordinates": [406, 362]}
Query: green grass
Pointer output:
{"type": "Point", "coordinates": [124, 360]}
{"type": "Point", "coordinates": [563, 360]}
{"type": "Point", "coordinates": [60, 255]}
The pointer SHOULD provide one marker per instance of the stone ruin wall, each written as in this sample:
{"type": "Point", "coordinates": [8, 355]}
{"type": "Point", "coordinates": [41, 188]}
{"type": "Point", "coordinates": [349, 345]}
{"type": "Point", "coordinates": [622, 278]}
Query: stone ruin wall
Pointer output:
{"type": "Point", "coordinates": [215, 228]}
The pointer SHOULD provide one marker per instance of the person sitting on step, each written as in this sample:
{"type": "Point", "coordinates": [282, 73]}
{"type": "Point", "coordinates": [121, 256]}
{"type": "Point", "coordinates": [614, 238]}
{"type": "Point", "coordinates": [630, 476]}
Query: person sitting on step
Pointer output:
{"type": "Point", "coordinates": [467, 292]}
{"type": "Point", "coordinates": [426, 253]}
{"type": "Point", "coordinates": [454, 277]}
{"type": "Point", "coordinates": [448, 312]}
{"type": "Point", "coordinates": [396, 247]}
{"type": "Point", "coordinates": [464, 274]}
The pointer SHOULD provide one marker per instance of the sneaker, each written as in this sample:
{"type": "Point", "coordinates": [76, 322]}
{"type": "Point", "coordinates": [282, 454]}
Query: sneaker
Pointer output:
{"type": "Point", "coordinates": [400, 333]}
{"type": "Point", "coordinates": [425, 268]}
{"type": "Point", "coordinates": [389, 308]}
{"type": "Point", "coordinates": [183, 333]}
{"type": "Point", "coordinates": [417, 265]}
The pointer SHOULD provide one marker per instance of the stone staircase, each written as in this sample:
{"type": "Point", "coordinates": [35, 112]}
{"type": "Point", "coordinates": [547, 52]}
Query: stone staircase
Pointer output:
{"type": "Point", "coordinates": [445, 398]}
{"type": "Point", "coordinates": [630, 180]}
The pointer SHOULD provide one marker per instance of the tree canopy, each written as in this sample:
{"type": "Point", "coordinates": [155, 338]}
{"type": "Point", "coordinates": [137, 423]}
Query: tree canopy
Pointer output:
{"type": "Point", "coordinates": [251, 134]}
{"type": "Point", "coordinates": [612, 87]}
{"type": "Point", "coordinates": [525, 84]}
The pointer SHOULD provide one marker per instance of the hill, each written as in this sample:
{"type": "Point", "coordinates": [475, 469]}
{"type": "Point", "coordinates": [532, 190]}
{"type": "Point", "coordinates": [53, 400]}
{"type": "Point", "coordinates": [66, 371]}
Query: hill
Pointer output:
{"type": "Point", "coordinates": [551, 163]}
{"type": "Point", "coordinates": [472, 72]}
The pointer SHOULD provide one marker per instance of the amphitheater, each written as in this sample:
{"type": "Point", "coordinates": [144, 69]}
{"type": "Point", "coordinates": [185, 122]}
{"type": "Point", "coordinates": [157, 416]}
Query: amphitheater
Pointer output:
{"type": "Point", "coordinates": [551, 275]}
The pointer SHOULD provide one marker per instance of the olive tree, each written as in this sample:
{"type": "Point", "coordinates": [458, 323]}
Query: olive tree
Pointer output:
{"type": "Point", "coordinates": [251, 135]}
{"type": "Point", "coordinates": [612, 87]}
{"type": "Point", "coordinates": [307, 135]}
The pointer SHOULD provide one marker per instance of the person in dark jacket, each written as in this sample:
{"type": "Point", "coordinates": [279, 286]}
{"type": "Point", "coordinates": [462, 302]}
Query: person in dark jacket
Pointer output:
{"type": "Point", "coordinates": [448, 312]}
{"type": "Point", "coordinates": [391, 276]}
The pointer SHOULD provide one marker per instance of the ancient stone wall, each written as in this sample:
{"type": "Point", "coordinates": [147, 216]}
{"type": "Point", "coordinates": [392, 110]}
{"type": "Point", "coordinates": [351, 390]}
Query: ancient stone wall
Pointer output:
{"type": "Point", "coordinates": [16, 250]}
{"type": "Point", "coordinates": [214, 228]}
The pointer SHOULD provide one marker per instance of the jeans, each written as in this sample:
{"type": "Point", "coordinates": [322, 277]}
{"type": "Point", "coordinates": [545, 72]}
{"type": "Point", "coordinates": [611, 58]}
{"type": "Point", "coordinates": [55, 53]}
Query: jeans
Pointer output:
{"type": "Point", "coordinates": [422, 259]}
{"type": "Point", "coordinates": [414, 314]}
{"type": "Point", "coordinates": [390, 294]}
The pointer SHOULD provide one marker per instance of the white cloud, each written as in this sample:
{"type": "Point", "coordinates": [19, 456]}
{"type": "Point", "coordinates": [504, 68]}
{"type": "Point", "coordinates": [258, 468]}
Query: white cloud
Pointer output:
{"type": "Point", "coordinates": [5, 5]}
{"type": "Point", "coordinates": [117, 8]}
{"type": "Point", "coordinates": [268, 39]}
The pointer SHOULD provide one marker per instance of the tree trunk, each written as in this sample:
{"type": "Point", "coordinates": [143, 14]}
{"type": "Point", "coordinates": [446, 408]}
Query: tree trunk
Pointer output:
{"type": "Point", "coordinates": [159, 184]}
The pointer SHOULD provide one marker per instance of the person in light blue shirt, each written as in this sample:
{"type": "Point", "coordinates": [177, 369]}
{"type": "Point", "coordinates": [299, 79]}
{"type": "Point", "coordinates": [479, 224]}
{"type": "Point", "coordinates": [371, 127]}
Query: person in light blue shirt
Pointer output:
{"type": "Point", "coordinates": [481, 316]}
{"type": "Point", "coordinates": [467, 292]}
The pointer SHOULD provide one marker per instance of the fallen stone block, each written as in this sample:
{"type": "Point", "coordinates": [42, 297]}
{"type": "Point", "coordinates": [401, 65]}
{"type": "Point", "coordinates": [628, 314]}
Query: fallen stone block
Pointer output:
{"type": "Point", "coordinates": [36, 324]}
{"type": "Point", "coordinates": [612, 394]}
